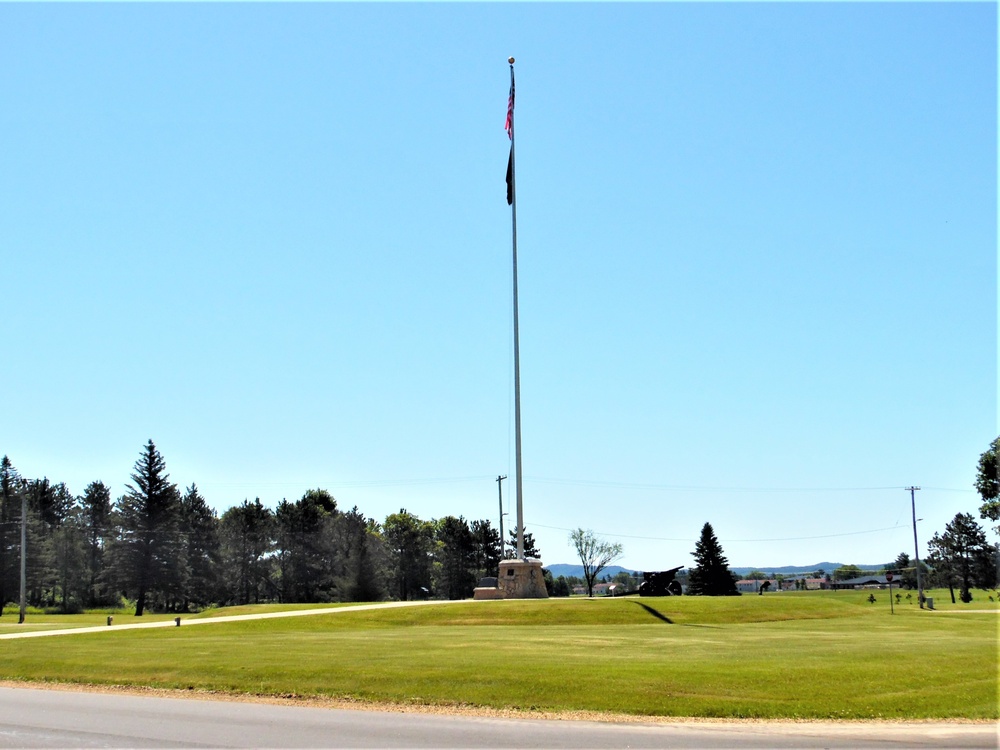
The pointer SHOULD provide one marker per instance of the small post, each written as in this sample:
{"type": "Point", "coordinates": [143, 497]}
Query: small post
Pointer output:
{"type": "Point", "coordinates": [111, 619]}
{"type": "Point", "coordinates": [177, 621]}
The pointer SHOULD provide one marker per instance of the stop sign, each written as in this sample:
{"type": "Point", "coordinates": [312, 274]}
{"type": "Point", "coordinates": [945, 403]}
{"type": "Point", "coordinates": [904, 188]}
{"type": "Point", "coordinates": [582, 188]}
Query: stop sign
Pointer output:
{"type": "Point", "coordinates": [888, 576]}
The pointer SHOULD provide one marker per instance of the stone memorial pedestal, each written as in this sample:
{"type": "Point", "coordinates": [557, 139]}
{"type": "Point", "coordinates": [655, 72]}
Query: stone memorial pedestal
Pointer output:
{"type": "Point", "coordinates": [518, 579]}
{"type": "Point", "coordinates": [487, 589]}
{"type": "Point", "coordinates": [522, 579]}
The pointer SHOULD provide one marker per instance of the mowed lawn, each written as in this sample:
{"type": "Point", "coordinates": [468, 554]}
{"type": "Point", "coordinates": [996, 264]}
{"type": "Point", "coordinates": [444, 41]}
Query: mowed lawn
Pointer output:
{"type": "Point", "coordinates": [807, 655]}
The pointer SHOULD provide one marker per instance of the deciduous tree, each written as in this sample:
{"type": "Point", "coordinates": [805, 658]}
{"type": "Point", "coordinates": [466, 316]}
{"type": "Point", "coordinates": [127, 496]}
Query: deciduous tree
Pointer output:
{"type": "Point", "coordinates": [595, 554]}
{"type": "Point", "coordinates": [988, 483]}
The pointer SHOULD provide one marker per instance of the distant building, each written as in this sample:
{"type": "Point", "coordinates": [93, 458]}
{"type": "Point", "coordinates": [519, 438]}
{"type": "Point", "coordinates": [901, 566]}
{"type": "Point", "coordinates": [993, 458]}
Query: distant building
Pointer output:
{"type": "Point", "coordinates": [867, 581]}
{"type": "Point", "coordinates": [749, 586]}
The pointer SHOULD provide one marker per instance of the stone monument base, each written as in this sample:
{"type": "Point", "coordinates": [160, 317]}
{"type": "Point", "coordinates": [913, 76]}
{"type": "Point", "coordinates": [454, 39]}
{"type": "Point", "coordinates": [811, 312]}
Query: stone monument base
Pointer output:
{"type": "Point", "coordinates": [487, 592]}
{"type": "Point", "coordinates": [521, 579]}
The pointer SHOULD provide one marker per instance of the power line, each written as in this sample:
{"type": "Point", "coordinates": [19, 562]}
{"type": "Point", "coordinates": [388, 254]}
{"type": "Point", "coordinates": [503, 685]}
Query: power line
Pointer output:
{"type": "Point", "coordinates": [777, 539]}
{"type": "Point", "coordinates": [702, 488]}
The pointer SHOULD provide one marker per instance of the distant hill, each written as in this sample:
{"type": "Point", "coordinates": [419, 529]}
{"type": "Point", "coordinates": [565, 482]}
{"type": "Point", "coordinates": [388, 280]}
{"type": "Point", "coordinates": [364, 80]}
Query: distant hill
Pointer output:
{"type": "Point", "coordinates": [796, 570]}
{"type": "Point", "coordinates": [563, 569]}
{"type": "Point", "coordinates": [577, 570]}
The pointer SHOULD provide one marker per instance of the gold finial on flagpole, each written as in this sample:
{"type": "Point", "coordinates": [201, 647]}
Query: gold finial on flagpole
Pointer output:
{"type": "Point", "coordinates": [510, 60]}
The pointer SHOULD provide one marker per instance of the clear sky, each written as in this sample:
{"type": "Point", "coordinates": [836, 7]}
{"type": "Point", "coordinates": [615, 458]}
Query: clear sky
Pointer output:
{"type": "Point", "coordinates": [757, 251]}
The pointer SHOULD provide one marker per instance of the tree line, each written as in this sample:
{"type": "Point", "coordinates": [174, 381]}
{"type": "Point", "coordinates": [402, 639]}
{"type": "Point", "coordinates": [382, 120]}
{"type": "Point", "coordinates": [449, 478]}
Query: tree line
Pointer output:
{"type": "Point", "coordinates": [162, 549]}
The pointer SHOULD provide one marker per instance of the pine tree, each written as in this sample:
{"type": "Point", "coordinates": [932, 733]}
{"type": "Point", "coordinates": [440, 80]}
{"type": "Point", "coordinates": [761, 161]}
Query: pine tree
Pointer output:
{"type": "Point", "coordinates": [11, 487]}
{"type": "Point", "coordinates": [487, 548]}
{"type": "Point", "coordinates": [962, 555]}
{"type": "Point", "coordinates": [357, 557]}
{"type": "Point", "coordinates": [95, 511]}
{"type": "Point", "coordinates": [455, 555]}
{"type": "Point", "coordinates": [149, 550]}
{"type": "Point", "coordinates": [410, 542]}
{"type": "Point", "coordinates": [305, 547]}
{"type": "Point", "coordinates": [711, 575]}
{"type": "Point", "coordinates": [530, 550]}
{"type": "Point", "coordinates": [246, 538]}
{"type": "Point", "coordinates": [201, 549]}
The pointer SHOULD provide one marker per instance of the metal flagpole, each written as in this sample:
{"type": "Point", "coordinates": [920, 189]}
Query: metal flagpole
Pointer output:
{"type": "Point", "coordinates": [517, 359]}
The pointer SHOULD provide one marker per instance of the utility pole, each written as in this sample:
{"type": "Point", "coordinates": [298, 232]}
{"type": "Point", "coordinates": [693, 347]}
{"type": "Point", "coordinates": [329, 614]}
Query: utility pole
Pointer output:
{"type": "Point", "coordinates": [500, 494]}
{"type": "Point", "coordinates": [916, 549]}
{"type": "Point", "coordinates": [24, 544]}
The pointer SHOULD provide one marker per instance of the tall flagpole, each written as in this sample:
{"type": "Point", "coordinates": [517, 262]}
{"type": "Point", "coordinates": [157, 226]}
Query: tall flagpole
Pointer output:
{"type": "Point", "coordinates": [512, 199]}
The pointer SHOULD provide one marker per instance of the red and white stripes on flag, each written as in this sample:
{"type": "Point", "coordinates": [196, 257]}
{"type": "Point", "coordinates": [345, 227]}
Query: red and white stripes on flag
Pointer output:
{"type": "Point", "coordinates": [509, 125]}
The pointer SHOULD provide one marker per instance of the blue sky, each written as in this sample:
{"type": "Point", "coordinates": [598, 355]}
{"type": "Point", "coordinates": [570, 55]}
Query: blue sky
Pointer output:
{"type": "Point", "coordinates": [757, 262]}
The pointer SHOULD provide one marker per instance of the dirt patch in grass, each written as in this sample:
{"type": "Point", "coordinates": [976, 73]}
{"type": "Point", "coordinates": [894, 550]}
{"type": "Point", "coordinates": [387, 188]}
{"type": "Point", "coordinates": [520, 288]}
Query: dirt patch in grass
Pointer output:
{"type": "Point", "coordinates": [443, 710]}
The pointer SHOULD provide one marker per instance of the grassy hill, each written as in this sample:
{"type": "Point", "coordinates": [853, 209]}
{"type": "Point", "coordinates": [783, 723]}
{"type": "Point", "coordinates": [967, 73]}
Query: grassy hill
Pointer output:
{"type": "Point", "coordinates": [807, 655]}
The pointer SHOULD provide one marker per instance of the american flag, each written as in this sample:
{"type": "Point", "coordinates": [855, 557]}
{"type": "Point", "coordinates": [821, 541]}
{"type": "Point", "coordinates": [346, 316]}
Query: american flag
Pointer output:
{"type": "Point", "coordinates": [509, 125]}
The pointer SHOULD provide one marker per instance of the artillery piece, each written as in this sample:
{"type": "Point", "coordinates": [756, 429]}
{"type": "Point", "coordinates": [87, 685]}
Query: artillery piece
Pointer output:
{"type": "Point", "coordinates": [661, 583]}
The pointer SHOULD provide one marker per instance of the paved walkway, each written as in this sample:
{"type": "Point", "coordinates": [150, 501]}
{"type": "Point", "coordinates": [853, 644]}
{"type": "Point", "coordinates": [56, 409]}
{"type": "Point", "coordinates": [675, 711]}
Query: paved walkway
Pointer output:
{"type": "Point", "coordinates": [222, 618]}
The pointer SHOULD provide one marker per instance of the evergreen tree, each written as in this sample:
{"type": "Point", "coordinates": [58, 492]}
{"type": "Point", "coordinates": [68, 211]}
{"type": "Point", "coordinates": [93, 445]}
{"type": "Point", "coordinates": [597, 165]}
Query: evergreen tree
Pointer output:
{"type": "Point", "coordinates": [359, 556]}
{"type": "Point", "coordinates": [246, 534]}
{"type": "Point", "coordinates": [455, 558]}
{"type": "Point", "coordinates": [410, 542]}
{"type": "Point", "coordinates": [710, 575]}
{"type": "Point", "coordinates": [69, 546]}
{"type": "Point", "coordinates": [486, 541]}
{"type": "Point", "coordinates": [962, 555]}
{"type": "Point", "coordinates": [95, 520]}
{"type": "Point", "coordinates": [530, 550]}
{"type": "Point", "coordinates": [11, 487]}
{"type": "Point", "coordinates": [148, 552]}
{"type": "Point", "coordinates": [560, 587]}
{"type": "Point", "coordinates": [201, 556]}
{"type": "Point", "coordinates": [45, 512]}
{"type": "Point", "coordinates": [305, 547]}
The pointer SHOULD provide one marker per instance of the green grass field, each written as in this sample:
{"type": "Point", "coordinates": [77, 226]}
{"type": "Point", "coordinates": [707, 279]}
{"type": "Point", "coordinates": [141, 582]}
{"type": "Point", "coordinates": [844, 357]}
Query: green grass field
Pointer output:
{"type": "Point", "coordinates": [792, 655]}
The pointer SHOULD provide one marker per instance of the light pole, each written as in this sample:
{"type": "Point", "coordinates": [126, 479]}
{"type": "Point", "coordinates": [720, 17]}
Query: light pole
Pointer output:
{"type": "Point", "coordinates": [24, 540]}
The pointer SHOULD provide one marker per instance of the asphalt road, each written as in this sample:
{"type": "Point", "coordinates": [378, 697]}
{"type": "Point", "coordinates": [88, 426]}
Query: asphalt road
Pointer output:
{"type": "Point", "coordinates": [31, 718]}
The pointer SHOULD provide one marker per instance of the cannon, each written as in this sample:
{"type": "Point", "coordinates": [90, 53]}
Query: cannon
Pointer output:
{"type": "Point", "coordinates": [660, 583]}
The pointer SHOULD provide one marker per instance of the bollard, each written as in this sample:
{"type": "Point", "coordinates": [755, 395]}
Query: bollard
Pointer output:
{"type": "Point", "coordinates": [177, 620]}
{"type": "Point", "coordinates": [110, 620]}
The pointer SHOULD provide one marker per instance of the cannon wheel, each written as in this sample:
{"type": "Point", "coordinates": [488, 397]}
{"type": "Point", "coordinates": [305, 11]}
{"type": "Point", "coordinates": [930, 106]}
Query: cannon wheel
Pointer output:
{"type": "Point", "coordinates": [674, 587]}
